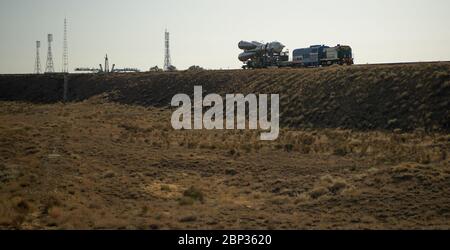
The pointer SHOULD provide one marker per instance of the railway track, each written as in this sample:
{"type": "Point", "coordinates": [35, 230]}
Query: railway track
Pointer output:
{"type": "Point", "coordinates": [400, 63]}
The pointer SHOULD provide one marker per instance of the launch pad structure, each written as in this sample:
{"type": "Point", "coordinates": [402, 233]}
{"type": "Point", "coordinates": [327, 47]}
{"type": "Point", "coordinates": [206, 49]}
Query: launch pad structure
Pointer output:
{"type": "Point", "coordinates": [105, 68]}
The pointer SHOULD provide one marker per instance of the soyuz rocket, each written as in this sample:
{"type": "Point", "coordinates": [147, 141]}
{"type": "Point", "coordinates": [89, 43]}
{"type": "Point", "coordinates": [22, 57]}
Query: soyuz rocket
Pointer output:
{"type": "Point", "coordinates": [253, 49]}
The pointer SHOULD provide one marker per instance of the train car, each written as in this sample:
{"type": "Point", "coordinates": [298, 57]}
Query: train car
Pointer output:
{"type": "Point", "coordinates": [321, 55]}
{"type": "Point", "coordinates": [310, 57]}
{"type": "Point", "coordinates": [263, 55]}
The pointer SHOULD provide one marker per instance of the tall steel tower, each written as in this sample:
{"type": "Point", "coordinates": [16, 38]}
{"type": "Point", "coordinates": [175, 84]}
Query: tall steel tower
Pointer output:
{"type": "Point", "coordinates": [167, 62]}
{"type": "Point", "coordinates": [49, 66]}
{"type": "Point", "coordinates": [65, 66]}
{"type": "Point", "coordinates": [37, 64]}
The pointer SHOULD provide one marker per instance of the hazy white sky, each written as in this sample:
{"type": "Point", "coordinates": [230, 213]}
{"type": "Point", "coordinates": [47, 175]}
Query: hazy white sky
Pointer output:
{"type": "Point", "coordinates": [206, 32]}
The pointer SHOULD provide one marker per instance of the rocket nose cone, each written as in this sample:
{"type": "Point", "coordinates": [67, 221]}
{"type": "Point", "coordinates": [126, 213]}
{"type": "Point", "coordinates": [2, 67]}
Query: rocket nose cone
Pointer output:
{"type": "Point", "coordinates": [276, 46]}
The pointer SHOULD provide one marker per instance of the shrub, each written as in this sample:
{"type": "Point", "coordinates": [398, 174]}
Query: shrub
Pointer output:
{"type": "Point", "coordinates": [194, 193]}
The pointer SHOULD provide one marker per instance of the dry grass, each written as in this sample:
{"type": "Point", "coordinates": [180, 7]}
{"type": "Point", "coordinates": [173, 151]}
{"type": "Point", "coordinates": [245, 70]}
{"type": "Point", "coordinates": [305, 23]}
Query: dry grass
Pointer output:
{"type": "Point", "coordinates": [97, 164]}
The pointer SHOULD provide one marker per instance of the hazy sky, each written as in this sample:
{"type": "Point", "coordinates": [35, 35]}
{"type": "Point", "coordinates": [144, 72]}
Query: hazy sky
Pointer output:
{"type": "Point", "coordinates": [206, 32]}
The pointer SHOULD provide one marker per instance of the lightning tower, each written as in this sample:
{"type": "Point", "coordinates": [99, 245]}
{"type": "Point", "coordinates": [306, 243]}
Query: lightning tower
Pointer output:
{"type": "Point", "coordinates": [37, 64]}
{"type": "Point", "coordinates": [49, 65]}
{"type": "Point", "coordinates": [65, 66]}
{"type": "Point", "coordinates": [167, 62]}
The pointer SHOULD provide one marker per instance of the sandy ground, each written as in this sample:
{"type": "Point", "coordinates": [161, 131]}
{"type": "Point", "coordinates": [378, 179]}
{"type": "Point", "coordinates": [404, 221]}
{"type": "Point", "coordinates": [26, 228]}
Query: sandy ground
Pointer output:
{"type": "Point", "coordinates": [96, 165]}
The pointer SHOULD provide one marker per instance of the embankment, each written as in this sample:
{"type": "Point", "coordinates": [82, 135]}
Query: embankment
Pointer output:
{"type": "Point", "coordinates": [368, 97]}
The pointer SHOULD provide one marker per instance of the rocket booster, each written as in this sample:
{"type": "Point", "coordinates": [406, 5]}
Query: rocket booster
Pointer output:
{"type": "Point", "coordinates": [251, 49]}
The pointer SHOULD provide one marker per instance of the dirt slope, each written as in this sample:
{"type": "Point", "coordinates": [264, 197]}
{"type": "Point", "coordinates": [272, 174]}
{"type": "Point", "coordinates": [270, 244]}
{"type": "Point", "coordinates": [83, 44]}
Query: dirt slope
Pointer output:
{"type": "Point", "coordinates": [406, 96]}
